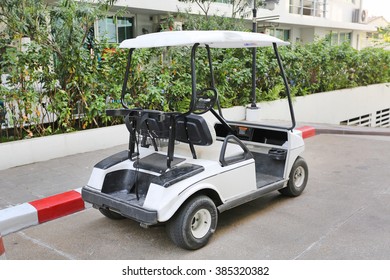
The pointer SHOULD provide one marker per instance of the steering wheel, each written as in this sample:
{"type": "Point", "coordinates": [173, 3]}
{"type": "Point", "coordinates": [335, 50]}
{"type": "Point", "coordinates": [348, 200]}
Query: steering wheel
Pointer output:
{"type": "Point", "coordinates": [205, 100]}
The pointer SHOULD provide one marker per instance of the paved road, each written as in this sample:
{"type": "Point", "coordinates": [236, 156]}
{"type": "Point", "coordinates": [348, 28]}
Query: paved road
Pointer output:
{"type": "Point", "coordinates": [343, 214]}
{"type": "Point", "coordinates": [42, 179]}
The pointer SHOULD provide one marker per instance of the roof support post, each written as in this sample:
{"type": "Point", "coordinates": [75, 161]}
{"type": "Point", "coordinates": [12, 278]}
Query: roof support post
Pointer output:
{"type": "Point", "coordinates": [288, 93]}
{"type": "Point", "coordinates": [254, 30]}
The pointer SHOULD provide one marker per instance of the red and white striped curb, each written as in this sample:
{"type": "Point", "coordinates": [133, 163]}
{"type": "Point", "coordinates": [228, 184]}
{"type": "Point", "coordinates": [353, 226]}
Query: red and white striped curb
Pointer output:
{"type": "Point", "coordinates": [307, 131]}
{"type": "Point", "coordinates": [2, 249]}
{"type": "Point", "coordinates": [39, 211]}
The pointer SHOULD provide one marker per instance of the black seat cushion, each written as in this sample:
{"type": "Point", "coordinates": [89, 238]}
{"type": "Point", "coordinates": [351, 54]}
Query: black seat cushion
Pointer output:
{"type": "Point", "coordinates": [194, 129]}
{"type": "Point", "coordinates": [155, 162]}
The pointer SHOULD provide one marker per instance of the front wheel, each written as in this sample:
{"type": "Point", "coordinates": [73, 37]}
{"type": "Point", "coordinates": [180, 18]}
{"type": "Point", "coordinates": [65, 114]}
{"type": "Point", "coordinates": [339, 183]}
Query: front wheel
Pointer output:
{"type": "Point", "coordinates": [194, 224]}
{"type": "Point", "coordinates": [298, 178]}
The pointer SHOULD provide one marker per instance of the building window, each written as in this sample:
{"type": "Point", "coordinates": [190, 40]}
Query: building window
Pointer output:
{"type": "Point", "coordinates": [115, 30]}
{"type": "Point", "coordinates": [338, 38]}
{"type": "Point", "coordinates": [283, 34]}
{"type": "Point", "coordinates": [345, 37]}
{"type": "Point", "coordinates": [315, 8]}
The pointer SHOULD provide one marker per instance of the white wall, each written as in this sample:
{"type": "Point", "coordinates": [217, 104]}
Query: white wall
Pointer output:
{"type": "Point", "coordinates": [340, 10]}
{"type": "Point", "coordinates": [44, 148]}
{"type": "Point", "coordinates": [331, 107]}
{"type": "Point", "coordinates": [144, 21]}
{"type": "Point", "coordinates": [307, 35]}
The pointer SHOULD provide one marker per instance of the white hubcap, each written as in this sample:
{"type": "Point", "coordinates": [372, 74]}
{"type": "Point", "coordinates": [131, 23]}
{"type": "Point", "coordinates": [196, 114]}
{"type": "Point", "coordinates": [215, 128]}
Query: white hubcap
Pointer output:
{"type": "Point", "coordinates": [201, 223]}
{"type": "Point", "coordinates": [299, 177]}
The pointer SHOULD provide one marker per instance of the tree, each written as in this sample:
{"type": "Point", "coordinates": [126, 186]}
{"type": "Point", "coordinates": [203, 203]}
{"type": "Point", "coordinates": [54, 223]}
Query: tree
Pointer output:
{"type": "Point", "coordinates": [52, 73]}
{"type": "Point", "coordinates": [384, 33]}
{"type": "Point", "coordinates": [239, 7]}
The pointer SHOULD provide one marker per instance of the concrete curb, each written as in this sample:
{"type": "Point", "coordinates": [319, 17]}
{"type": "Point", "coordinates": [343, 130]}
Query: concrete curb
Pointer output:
{"type": "Point", "coordinates": [369, 131]}
{"type": "Point", "coordinates": [32, 213]}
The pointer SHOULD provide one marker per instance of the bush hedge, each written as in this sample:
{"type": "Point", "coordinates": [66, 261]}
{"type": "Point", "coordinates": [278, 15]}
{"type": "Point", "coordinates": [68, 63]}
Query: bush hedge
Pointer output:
{"type": "Point", "coordinates": [63, 80]}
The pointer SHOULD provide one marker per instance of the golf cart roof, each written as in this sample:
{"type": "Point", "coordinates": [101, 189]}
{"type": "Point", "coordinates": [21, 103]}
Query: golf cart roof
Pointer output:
{"type": "Point", "coordinates": [213, 38]}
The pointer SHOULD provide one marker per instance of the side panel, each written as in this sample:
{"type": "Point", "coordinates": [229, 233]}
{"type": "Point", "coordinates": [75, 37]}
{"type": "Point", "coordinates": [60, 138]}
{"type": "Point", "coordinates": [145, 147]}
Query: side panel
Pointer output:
{"type": "Point", "coordinates": [235, 181]}
{"type": "Point", "coordinates": [111, 164]}
{"type": "Point", "coordinates": [97, 177]}
{"type": "Point", "coordinates": [296, 147]}
{"type": "Point", "coordinates": [228, 185]}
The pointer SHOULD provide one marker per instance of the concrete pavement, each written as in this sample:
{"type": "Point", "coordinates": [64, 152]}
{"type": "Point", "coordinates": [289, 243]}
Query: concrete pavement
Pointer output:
{"type": "Point", "coordinates": [42, 179]}
{"type": "Point", "coordinates": [59, 172]}
{"type": "Point", "coordinates": [341, 215]}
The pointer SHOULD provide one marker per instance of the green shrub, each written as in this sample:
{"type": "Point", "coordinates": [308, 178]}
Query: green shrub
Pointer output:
{"type": "Point", "coordinates": [64, 80]}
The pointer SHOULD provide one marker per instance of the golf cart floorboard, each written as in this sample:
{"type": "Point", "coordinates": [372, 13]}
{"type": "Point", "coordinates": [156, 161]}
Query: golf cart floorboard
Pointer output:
{"type": "Point", "coordinates": [268, 170]}
{"type": "Point", "coordinates": [264, 180]}
{"type": "Point", "coordinates": [125, 196]}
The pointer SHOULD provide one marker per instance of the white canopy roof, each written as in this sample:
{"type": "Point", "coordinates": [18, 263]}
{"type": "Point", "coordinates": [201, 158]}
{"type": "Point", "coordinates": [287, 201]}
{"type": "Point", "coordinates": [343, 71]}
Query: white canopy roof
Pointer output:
{"type": "Point", "coordinates": [213, 38]}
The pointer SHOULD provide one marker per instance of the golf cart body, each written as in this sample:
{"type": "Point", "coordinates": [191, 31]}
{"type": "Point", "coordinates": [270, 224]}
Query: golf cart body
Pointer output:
{"type": "Point", "coordinates": [183, 168]}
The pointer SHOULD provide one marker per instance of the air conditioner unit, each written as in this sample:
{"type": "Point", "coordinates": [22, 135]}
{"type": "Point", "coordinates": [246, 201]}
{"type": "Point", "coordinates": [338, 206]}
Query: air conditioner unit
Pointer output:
{"type": "Point", "coordinates": [359, 16]}
{"type": "Point", "coordinates": [363, 16]}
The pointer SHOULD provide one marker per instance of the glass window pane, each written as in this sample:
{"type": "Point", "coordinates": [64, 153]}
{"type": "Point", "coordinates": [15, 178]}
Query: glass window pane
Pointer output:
{"type": "Point", "coordinates": [125, 28]}
{"type": "Point", "coordinates": [107, 29]}
{"type": "Point", "coordinates": [334, 39]}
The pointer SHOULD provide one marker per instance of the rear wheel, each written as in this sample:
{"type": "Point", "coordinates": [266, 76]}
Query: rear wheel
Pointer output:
{"type": "Point", "coordinates": [298, 178]}
{"type": "Point", "coordinates": [194, 224]}
{"type": "Point", "coordinates": [111, 214]}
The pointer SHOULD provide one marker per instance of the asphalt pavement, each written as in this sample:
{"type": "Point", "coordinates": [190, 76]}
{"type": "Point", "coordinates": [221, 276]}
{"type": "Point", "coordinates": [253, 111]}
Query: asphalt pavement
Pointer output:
{"type": "Point", "coordinates": [342, 214]}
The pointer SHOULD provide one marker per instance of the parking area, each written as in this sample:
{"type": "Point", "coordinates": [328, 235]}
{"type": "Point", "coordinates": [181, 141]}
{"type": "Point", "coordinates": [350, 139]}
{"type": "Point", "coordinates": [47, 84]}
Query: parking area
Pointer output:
{"type": "Point", "coordinates": [343, 213]}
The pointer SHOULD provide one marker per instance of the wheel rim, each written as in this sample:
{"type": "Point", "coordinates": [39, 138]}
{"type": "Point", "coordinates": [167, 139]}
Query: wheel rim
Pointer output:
{"type": "Point", "coordinates": [299, 177]}
{"type": "Point", "coordinates": [200, 223]}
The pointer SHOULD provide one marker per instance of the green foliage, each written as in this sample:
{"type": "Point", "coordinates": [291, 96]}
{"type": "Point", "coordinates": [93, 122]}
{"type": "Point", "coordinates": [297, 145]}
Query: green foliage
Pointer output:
{"type": "Point", "coordinates": [383, 39]}
{"type": "Point", "coordinates": [239, 7]}
{"type": "Point", "coordinates": [63, 80]}
{"type": "Point", "coordinates": [316, 67]}
{"type": "Point", "coordinates": [58, 79]}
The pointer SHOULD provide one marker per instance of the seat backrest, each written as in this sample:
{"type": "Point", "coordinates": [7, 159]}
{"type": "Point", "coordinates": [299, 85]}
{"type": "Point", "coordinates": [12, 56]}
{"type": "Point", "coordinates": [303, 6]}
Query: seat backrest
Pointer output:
{"type": "Point", "coordinates": [193, 129]}
{"type": "Point", "coordinates": [157, 129]}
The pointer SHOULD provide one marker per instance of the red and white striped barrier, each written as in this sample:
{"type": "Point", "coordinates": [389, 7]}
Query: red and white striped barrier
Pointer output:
{"type": "Point", "coordinates": [2, 249]}
{"type": "Point", "coordinates": [39, 211]}
{"type": "Point", "coordinates": [307, 131]}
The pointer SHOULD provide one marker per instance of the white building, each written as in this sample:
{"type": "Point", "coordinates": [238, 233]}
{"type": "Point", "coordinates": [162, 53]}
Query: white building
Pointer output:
{"type": "Point", "coordinates": [297, 20]}
{"type": "Point", "coordinates": [304, 20]}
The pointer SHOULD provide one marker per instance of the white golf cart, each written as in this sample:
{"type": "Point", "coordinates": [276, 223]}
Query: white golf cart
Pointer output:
{"type": "Point", "coordinates": [183, 168]}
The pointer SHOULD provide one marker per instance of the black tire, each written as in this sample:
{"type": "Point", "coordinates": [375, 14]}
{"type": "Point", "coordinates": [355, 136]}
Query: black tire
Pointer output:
{"type": "Point", "coordinates": [194, 223]}
{"type": "Point", "coordinates": [111, 214]}
{"type": "Point", "coordinates": [299, 175]}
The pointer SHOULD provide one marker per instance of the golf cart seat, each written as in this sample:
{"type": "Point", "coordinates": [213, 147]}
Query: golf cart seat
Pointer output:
{"type": "Point", "coordinates": [193, 129]}
{"type": "Point", "coordinates": [196, 130]}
